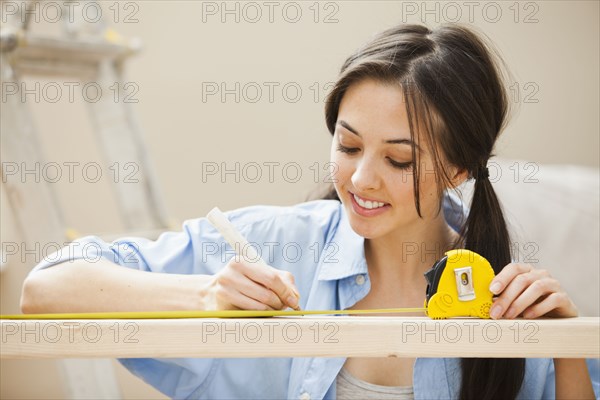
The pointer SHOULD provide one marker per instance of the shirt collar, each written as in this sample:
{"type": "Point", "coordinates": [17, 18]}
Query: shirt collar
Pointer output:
{"type": "Point", "coordinates": [346, 252]}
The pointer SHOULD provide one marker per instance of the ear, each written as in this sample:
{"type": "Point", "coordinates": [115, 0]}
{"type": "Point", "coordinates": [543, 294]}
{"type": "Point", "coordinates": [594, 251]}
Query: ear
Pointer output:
{"type": "Point", "coordinates": [457, 176]}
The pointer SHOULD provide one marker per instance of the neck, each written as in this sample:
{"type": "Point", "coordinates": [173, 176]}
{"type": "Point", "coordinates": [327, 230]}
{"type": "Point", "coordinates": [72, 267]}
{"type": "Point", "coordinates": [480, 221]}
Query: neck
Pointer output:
{"type": "Point", "coordinates": [405, 256]}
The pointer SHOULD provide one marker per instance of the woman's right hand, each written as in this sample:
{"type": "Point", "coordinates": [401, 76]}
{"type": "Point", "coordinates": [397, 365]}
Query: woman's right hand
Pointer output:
{"type": "Point", "coordinates": [245, 286]}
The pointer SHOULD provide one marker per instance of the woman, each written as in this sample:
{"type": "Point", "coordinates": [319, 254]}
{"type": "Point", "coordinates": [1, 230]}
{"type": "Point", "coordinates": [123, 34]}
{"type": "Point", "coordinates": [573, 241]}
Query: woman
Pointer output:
{"type": "Point", "coordinates": [413, 115]}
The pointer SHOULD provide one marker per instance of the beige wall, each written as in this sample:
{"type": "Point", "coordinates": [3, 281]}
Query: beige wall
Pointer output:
{"type": "Point", "coordinates": [555, 61]}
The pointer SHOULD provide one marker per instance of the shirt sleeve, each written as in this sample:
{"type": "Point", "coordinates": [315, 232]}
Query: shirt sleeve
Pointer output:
{"type": "Point", "coordinates": [455, 210]}
{"type": "Point", "coordinates": [195, 249]}
{"type": "Point", "coordinates": [593, 365]}
{"type": "Point", "coordinates": [199, 248]}
{"type": "Point", "coordinates": [276, 232]}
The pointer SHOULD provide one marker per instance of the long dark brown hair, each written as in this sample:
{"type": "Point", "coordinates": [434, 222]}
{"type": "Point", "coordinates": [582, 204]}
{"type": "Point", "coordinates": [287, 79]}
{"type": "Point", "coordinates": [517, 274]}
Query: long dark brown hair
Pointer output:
{"type": "Point", "coordinates": [455, 93]}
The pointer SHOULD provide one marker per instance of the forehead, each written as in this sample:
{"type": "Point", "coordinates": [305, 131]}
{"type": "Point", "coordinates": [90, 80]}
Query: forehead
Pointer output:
{"type": "Point", "coordinates": [375, 108]}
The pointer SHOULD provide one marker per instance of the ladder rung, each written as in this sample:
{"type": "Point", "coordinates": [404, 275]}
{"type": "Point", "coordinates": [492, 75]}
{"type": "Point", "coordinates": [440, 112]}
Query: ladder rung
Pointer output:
{"type": "Point", "coordinates": [35, 48]}
{"type": "Point", "coordinates": [56, 68]}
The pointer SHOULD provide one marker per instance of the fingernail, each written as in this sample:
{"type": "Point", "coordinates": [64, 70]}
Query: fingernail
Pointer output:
{"type": "Point", "coordinates": [495, 287]}
{"type": "Point", "coordinates": [496, 311]}
{"type": "Point", "coordinates": [292, 301]}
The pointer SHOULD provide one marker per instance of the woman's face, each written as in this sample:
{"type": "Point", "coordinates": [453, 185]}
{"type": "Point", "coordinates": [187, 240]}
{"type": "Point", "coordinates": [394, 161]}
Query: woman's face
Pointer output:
{"type": "Point", "coordinates": [372, 160]}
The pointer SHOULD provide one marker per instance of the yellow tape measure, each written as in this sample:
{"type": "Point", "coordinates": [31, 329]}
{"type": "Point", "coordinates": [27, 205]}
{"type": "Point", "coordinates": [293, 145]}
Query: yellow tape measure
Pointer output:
{"type": "Point", "coordinates": [203, 314]}
{"type": "Point", "coordinates": [458, 286]}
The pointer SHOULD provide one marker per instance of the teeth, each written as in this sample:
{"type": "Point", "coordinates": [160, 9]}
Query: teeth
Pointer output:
{"type": "Point", "coordinates": [368, 204]}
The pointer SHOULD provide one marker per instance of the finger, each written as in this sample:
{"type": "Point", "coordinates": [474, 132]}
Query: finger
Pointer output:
{"type": "Point", "coordinates": [270, 278]}
{"type": "Point", "coordinates": [289, 278]}
{"type": "Point", "coordinates": [243, 302]}
{"type": "Point", "coordinates": [257, 292]}
{"type": "Point", "coordinates": [514, 289]}
{"type": "Point", "coordinates": [508, 273]}
{"type": "Point", "coordinates": [531, 294]}
{"type": "Point", "coordinates": [553, 301]}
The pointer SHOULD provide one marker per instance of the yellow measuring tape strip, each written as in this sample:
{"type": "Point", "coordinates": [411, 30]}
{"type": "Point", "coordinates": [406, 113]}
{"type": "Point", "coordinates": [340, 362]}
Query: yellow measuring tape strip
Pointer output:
{"type": "Point", "coordinates": [205, 314]}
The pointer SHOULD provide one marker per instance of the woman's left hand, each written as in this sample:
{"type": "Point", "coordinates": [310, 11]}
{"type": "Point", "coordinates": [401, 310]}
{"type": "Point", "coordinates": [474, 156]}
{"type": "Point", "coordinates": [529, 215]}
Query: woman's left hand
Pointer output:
{"type": "Point", "coordinates": [529, 292]}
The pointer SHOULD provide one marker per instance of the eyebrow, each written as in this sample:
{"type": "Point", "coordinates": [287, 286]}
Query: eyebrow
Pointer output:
{"type": "Point", "coordinates": [392, 141]}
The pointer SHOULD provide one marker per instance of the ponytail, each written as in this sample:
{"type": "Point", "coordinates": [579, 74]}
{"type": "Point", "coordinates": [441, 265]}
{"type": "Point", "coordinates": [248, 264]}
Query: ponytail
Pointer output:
{"type": "Point", "coordinates": [485, 230]}
{"type": "Point", "coordinates": [485, 233]}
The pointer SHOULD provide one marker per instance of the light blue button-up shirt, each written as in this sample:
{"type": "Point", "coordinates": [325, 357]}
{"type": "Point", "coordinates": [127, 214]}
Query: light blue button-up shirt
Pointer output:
{"type": "Point", "coordinates": [315, 242]}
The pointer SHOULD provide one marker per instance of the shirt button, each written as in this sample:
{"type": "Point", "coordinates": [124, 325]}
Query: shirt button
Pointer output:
{"type": "Point", "coordinates": [360, 279]}
{"type": "Point", "coordinates": [305, 396]}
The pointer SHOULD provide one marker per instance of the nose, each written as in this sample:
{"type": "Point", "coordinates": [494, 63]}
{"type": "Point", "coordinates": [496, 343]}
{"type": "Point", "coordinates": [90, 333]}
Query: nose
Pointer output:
{"type": "Point", "coordinates": [365, 177]}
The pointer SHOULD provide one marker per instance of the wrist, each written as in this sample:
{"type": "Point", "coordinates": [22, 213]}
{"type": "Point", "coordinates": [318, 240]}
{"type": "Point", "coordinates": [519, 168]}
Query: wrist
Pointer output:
{"type": "Point", "coordinates": [569, 362]}
{"type": "Point", "coordinates": [572, 379]}
{"type": "Point", "coordinates": [189, 291]}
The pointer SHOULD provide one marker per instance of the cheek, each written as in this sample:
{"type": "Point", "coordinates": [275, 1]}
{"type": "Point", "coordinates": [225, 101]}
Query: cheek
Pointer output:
{"type": "Point", "coordinates": [428, 194]}
{"type": "Point", "coordinates": [339, 164]}
{"type": "Point", "coordinates": [401, 185]}
{"type": "Point", "coordinates": [427, 181]}
{"type": "Point", "coordinates": [340, 169]}
{"type": "Point", "coordinates": [401, 188]}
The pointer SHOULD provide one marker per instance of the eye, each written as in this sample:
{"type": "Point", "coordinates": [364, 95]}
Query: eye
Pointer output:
{"type": "Point", "coordinates": [347, 150]}
{"type": "Point", "coordinates": [399, 165]}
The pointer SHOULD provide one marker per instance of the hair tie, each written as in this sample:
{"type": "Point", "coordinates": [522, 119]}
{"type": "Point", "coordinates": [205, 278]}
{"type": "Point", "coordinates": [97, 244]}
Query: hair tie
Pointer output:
{"type": "Point", "coordinates": [483, 173]}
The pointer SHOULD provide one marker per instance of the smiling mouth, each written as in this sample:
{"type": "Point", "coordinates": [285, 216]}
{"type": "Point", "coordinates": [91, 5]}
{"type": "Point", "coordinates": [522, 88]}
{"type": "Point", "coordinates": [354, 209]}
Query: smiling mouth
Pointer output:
{"type": "Point", "coordinates": [368, 204]}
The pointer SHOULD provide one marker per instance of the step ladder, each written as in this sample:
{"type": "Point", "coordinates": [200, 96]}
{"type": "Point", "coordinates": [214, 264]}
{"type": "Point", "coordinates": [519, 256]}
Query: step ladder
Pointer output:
{"type": "Point", "coordinates": [89, 52]}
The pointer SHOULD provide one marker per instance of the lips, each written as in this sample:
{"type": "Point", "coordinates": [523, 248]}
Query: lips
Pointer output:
{"type": "Point", "coordinates": [365, 199]}
{"type": "Point", "coordinates": [367, 212]}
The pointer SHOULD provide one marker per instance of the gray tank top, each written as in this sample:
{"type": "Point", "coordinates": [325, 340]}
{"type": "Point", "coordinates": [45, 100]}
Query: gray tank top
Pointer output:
{"type": "Point", "coordinates": [350, 388]}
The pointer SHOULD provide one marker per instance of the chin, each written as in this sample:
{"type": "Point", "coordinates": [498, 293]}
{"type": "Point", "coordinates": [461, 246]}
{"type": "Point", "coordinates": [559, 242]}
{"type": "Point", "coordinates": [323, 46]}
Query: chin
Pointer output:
{"type": "Point", "coordinates": [364, 229]}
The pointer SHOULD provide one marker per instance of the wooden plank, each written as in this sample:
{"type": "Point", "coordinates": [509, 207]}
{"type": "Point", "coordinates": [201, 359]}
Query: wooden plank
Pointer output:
{"type": "Point", "coordinates": [314, 336]}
